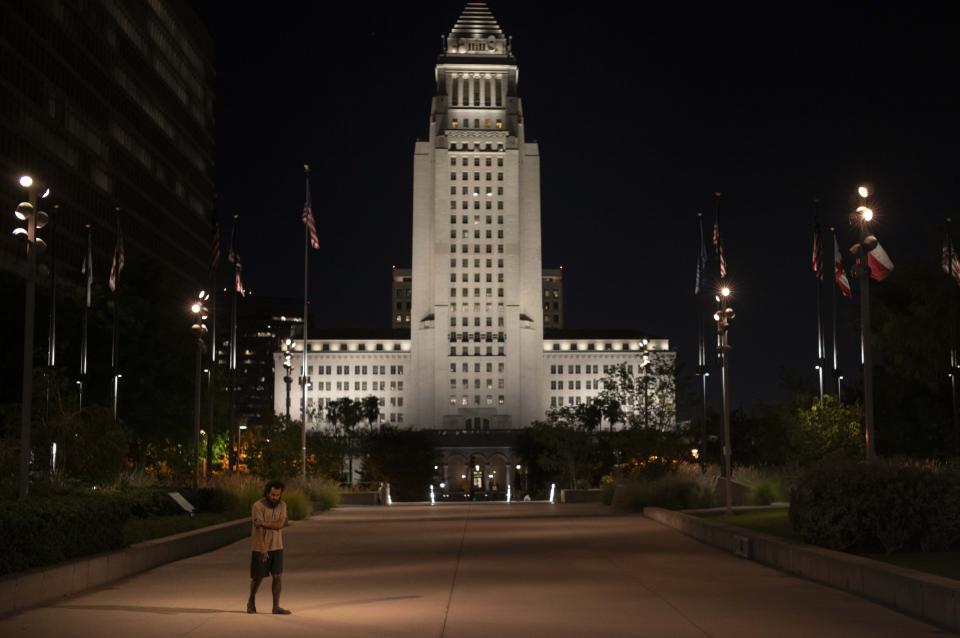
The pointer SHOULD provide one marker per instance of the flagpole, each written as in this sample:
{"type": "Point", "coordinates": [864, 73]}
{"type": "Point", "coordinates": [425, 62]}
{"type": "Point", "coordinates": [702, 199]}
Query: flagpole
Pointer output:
{"type": "Point", "coordinates": [818, 266]}
{"type": "Point", "coordinates": [833, 299]}
{"type": "Point", "coordinates": [702, 368]}
{"type": "Point", "coordinates": [52, 324]}
{"type": "Point", "coordinates": [115, 347]}
{"type": "Point", "coordinates": [214, 263]}
{"type": "Point", "coordinates": [234, 426]}
{"type": "Point", "coordinates": [866, 349]}
{"type": "Point", "coordinates": [953, 348]}
{"type": "Point", "coordinates": [303, 375]}
{"type": "Point", "coordinates": [86, 319]}
{"type": "Point", "coordinates": [724, 379]}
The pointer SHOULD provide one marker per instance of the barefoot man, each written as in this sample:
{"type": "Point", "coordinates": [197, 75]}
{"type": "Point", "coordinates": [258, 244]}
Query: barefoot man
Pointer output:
{"type": "Point", "coordinates": [269, 517]}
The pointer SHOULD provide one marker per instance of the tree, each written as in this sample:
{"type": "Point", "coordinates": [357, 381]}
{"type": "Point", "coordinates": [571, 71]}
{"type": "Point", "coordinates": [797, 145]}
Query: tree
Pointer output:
{"type": "Point", "coordinates": [830, 430]}
{"type": "Point", "coordinates": [371, 409]}
{"type": "Point", "coordinates": [403, 458]}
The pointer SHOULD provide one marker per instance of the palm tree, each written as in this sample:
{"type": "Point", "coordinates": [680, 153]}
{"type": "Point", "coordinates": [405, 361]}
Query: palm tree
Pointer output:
{"type": "Point", "coordinates": [371, 409]}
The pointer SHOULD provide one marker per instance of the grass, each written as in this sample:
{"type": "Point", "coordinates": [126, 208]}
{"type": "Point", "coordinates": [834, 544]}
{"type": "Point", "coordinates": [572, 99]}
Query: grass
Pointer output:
{"type": "Point", "coordinates": [137, 530]}
{"type": "Point", "coordinates": [775, 522]}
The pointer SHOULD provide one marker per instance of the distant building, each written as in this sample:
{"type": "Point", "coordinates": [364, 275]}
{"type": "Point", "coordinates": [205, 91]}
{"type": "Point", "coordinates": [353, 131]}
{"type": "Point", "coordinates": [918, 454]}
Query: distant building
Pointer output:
{"type": "Point", "coordinates": [110, 104]}
{"type": "Point", "coordinates": [263, 324]}
{"type": "Point", "coordinates": [476, 364]}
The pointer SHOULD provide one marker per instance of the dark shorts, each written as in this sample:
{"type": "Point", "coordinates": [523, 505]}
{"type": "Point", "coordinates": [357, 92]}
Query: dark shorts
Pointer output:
{"type": "Point", "coordinates": [261, 569]}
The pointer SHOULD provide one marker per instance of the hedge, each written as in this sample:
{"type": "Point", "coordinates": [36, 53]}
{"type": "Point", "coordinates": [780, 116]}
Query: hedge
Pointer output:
{"type": "Point", "coordinates": [881, 506]}
{"type": "Point", "coordinates": [53, 529]}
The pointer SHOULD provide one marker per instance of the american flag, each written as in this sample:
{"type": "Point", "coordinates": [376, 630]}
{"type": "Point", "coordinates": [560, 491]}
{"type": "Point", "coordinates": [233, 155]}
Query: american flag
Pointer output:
{"type": "Point", "coordinates": [948, 259]}
{"type": "Point", "coordinates": [816, 261]}
{"type": "Point", "coordinates": [701, 260]}
{"type": "Point", "coordinates": [87, 268]}
{"type": "Point", "coordinates": [839, 274]}
{"type": "Point", "coordinates": [234, 258]}
{"type": "Point", "coordinates": [718, 243]}
{"type": "Point", "coordinates": [307, 216]}
{"type": "Point", "coordinates": [118, 259]}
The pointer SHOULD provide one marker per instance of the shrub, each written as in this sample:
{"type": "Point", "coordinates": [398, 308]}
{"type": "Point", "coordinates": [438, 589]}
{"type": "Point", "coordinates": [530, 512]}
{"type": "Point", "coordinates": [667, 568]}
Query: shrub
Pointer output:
{"type": "Point", "coordinates": [869, 507]}
{"type": "Point", "coordinates": [322, 491]}
{"type": "Point", "coordinates": [298, 504]}
{"type": "Point", "coordinates": [671, 491]}
{"type": "Point", "coordinates": [44, 531]}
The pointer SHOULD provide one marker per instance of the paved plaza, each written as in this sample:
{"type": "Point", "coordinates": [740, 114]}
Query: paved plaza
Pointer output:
{"type": "Point", "coordinates": [473, 570]}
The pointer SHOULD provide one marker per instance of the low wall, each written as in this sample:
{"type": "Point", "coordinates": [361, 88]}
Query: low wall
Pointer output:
{"type": "Point", "coordinates": [581, 496]}
{"type": "Point", "coordinates": [46, 584]}
{"type": "Point", "coordinates": [931, 598]}
{"type": "Point", "coordinates": [360, 498]}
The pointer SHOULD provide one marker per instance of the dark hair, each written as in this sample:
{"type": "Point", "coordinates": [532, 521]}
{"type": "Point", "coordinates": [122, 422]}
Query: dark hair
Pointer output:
{"type": "Point", "coordinates": [272, 484]}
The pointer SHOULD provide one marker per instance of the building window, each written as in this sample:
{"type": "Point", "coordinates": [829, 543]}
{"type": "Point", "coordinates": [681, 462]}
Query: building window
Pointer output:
{"type": "Point", "coordinates": [454, 123]}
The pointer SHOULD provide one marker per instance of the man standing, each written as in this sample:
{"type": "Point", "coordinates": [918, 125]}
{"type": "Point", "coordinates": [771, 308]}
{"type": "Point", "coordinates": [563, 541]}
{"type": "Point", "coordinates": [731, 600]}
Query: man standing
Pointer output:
{"type": "Point", "coordinates": [269, 516]}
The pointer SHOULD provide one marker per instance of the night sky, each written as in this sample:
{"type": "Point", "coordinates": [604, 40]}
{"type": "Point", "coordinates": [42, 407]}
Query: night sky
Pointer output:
{"type": "Point", "coordinates": [642, 111]}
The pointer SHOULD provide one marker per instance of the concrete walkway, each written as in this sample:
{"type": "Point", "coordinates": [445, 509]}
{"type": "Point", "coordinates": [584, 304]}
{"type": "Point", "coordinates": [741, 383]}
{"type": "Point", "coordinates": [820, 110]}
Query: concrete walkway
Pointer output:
{"type": "Point", "coordinates": [465, 570]}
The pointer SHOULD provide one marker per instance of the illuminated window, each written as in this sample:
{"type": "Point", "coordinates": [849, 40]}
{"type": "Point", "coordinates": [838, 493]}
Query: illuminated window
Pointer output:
{"type": "Point", "coordinates": [500, 125]}
{"type": "Point", "coordinates": [454, 123]}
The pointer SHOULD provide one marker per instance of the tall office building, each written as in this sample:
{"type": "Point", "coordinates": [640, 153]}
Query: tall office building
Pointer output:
{"type": "Point", "coordinates": [110, 104]}
{"type": "Point", "coordinates": [476, 365]}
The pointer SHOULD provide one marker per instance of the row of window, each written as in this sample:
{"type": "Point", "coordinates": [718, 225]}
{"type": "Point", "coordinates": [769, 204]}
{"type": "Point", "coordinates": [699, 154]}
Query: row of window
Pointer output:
{"type": "Point", "coordinates": [465, 321]}
{"type": "Point", "coordinates": [546, 306]}
{"type": "Point", "coordinates": [551, 293]}
{"type": "Point", "coordinates": [487, 122]}
{"type": "Point", "coordinates": [488, 205]}
{"type": "Point", "coordinates": [465, 248]}
{"type": "Point", "coordinates": [558, 401]}
{"type": "Point", "coordinates": [476, 384]}
{"type": "Point", "coordinates": [465, 234]}
{"type": "Point", "coordinates": [465, 190]}
{"type": "Point", "coordinates": [474, 146]}
{"type": "Point", "coordinates": [476, 218]}
{"type": "Point", "coordinates": [586, 369]}
{"type": "Point", "coordinates": [476, 263]}
{"type": "Point", "coordinates": [476, 278]}
{"type": "Point", "coordinates": [465, 367]}
{"type": "Point", "coordinates": [465, 351]}
{"type": "Point", "coordinates": [465, 161]}
{"type": "Point", "coordinates": [591, 384]}
{"type": "Point", "coordinates": [341, 370]}
{"type": "Point", "coordinates": [358, 386]}
{"type": "Point", "coordinates": [465, 400]}
{"type": "Point", "coordinates": [476, 176]}
{"type": "Point", "coordinates": [477, 336]}
{"type": "Point", "coordinates": [362, 347]}
{"type": "Point", "coordinates": [476, 292]}
{"type": "Point", "coordinates": [593, 346]}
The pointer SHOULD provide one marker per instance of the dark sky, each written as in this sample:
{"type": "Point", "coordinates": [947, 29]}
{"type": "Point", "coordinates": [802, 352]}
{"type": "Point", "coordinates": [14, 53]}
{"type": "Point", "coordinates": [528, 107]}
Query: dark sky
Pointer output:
{"type": "Point", "coordinates": [642, 111]}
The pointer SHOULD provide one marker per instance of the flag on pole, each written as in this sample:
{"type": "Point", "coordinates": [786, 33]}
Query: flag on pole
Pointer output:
{"type": "Point", "coordinates": [701, 260]}
{"type": "Point", "coordinates": [87, 269]}
{"type": "Point", "coordinates": [816, 260]}
{"type": "Point", "coordinates": [880, 264]}
{"type": "Point", "coordinates": [948, 259]}
{"type": "Point", "coordinates": [234, 258]}
{"type": "Point", "coordinates": [839, 275]}
{"type": "Point", "coordinates": [118, 259]}
{"type": "Point", "coordinates": [718, 241]}
{"type": "Point", "coordinates": [307, 218]}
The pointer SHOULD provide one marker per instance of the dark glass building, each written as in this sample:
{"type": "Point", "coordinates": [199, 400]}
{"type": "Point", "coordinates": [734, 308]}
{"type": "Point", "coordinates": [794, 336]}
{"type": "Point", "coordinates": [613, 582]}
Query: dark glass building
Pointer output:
{"type": "Point", "coordinates": [111, 104]}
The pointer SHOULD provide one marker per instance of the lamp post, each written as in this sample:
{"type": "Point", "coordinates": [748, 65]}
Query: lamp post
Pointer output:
{"type": "Point", "coordinates": [723, 316]}
{"type": "Point", "coordinates": [35, 220]}
{"type": "Point", "coordinates": [287, 368]}
{"type": "Point", "coordinates": [863, 217]}
{"type": "Point", "coordinates": [199, 328]}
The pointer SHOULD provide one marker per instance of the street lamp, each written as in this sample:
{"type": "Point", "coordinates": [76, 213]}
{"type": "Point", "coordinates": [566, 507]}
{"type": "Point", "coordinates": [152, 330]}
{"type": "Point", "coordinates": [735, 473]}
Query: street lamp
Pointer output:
{"type": "Point", "coordinates": [34, 219]}
{"type": "Point", "coordinates": [287, 367]}
{"type": "Point", "coordinates": [199, 328]}
{"type": "Point", "coordinates": [862, 217]}
{"type": "Point", "coordinates": [723, 317]}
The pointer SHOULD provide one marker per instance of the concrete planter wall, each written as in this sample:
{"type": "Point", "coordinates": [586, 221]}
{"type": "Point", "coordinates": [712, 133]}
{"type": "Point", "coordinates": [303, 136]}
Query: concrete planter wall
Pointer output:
{"type": "Point", "coordinates": [581, 496]}
{"type": "Point", "coordinates": [46, 584]}
{"type": "Point", "coordinates": [931, 598]}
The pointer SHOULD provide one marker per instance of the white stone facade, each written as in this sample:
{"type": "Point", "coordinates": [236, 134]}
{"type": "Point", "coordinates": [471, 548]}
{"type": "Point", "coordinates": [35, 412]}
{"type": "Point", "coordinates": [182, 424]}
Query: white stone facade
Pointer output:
{"type": "Point", "coordinates": [476, 358]}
